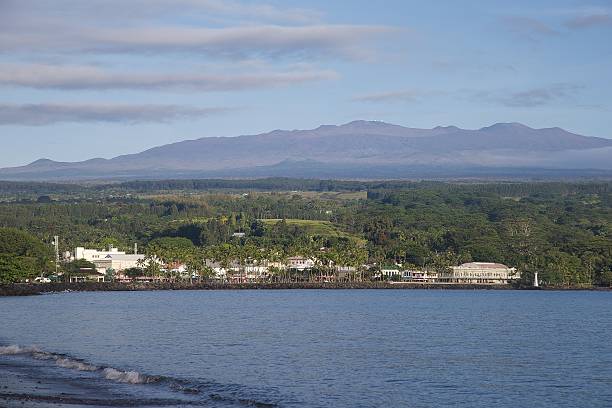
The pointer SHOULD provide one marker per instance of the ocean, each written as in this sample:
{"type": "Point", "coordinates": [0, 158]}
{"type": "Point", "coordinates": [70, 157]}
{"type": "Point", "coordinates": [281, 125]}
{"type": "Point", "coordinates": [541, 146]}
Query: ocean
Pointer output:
{"type": "Point", "coordinates": [308, 348]}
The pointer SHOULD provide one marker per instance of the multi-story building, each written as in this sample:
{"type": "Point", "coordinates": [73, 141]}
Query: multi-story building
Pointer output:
{"type": "Point", "coordinates": [112, 259]}
{"type": "Point", "coordinates": [480, 272]}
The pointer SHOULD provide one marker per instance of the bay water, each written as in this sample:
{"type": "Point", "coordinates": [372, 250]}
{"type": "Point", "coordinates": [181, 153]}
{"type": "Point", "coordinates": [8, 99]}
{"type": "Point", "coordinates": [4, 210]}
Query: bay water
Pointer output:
{"type": "Point", "coordinates": [320, 348]}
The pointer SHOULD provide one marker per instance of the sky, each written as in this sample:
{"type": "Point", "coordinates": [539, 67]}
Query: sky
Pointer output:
{"type": "Point", "coordinates": [100, 78]}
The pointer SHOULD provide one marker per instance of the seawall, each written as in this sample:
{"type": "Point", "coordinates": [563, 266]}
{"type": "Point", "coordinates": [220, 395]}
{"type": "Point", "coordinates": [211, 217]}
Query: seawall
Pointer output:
{"type": "Point", "coordinates": [24, 289]}
{"type": "Point", "coordinates": [28, 289]}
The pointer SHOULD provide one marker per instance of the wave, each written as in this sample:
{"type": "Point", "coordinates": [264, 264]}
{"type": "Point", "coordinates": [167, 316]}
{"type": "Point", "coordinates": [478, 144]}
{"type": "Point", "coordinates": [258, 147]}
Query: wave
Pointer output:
{"type": "Point", "coordinates": [128, 377]}
{"type": "Point", "coordinates": [75, 365]}
{"type": "Point", "coordinates": [64, 361]}
{"type": "Point", "coordinates": [210, 391]}
{"type": "Point", "coordinates": [14, 350]}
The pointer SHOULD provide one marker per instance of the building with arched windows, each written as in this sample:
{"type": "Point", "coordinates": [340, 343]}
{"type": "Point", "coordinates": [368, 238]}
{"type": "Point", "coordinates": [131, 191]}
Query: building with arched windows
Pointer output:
{"type": "Point", "coordinates": [480, 272]}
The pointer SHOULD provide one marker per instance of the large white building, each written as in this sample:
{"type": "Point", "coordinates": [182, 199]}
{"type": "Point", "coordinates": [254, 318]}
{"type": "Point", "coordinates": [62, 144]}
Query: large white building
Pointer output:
{"type": "Point", "coordinates": [93, 254]}
{"type": "Point", "coordinates": [480, 272]}
{"type": "Point", "coordinates": [111, 259]}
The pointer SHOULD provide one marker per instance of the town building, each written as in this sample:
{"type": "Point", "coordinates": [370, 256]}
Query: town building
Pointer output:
{"type": "Point", "coordinates": [392, 272]}
{"type": "Point", "coordinates": [113, 259]}
{"type": "Point", "coordinates": [419, 276]}
{"type": "Point", "coordinates": [479, 272]}
{"type": "Point", "coordinates": [93, 254]}
{"type": "Point", "coordinates": [300, 263]}
{"type": "Point", "coordinates": [86, 275]}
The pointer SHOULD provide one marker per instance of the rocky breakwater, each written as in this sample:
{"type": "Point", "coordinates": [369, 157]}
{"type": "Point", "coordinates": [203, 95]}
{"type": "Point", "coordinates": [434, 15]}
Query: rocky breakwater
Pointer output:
{"type": "Point", "coordinates": [19, 289]}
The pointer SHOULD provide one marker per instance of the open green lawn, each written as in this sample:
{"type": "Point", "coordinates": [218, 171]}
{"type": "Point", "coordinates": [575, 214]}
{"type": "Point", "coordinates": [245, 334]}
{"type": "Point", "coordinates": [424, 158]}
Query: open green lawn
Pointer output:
{"type": "Point", "coordinates": [316, 227]}
{"type": "Point", "coordinates": [332, 195]}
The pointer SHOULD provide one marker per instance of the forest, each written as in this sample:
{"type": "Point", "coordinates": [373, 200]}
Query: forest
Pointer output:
{"type": "Point", "coordinates": [562, 230]}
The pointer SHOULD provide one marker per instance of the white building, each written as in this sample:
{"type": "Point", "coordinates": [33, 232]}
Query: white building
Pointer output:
{"type": "Point", "coordinates": [119, 262]}
{"type": "Point", "coordinates": [300, 263]}
{"type": "Point", "coordinates": [93, 254]}
{"type": "Point", "coordinates": [419, 276]}
{"type": "Point", "coordinates": [480, 272]}
{"type": "Point", "coordinates": [87, 275]}
{"type": "Point", "coordinates": [111, 259]}
{"type": "Point", "coordinates": [390, 271]}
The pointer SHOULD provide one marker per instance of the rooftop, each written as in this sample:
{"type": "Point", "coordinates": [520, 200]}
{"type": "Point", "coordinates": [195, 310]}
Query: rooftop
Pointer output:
{"type": "Point", "coordinates": [490, 265]}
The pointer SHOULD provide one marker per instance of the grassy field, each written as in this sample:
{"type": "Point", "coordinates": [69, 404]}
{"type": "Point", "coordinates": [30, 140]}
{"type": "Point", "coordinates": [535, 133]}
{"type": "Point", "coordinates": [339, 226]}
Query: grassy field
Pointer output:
{"type": "Point", "coordinates": [315, 195]}
{"type": "Point", "coordinates": [316, 227]}
{"type": "Point", "coordinates": [332, 195]}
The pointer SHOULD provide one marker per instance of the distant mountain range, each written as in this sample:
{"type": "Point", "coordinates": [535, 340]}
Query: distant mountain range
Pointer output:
{"type": "Point", "coordinates": [359, 149]}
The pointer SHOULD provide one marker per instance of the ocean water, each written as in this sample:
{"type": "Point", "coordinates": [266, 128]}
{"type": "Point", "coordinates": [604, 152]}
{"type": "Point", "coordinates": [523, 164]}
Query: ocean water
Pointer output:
{"type": "Point", "coordinates": [315, 348]}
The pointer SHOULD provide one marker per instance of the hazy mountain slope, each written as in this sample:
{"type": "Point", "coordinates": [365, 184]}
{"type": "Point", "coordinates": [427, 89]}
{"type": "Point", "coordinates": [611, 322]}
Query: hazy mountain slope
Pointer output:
{"type": "Point", "coordinates": [345, 147]}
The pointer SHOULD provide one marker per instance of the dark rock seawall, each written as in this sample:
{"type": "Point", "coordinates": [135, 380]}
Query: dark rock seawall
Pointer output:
{"type": "Point", "coordinates": [19, 289]}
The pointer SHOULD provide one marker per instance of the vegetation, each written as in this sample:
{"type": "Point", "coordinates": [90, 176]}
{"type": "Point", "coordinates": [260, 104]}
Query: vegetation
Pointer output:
{"type": "Point", "coordinates": [22, 256]}
{"type": "Point", "coordinates": [561, 230]}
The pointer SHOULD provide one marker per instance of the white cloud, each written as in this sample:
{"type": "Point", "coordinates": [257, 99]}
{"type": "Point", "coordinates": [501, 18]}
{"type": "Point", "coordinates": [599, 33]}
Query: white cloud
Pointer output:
{"type": "Point", "coordinates": [392, 96]}
{"type": "Point", "coordinates": [532, 97]}
{"type": "Point", "coordinates": [121, 11]}
{"type": "Point", "coordinates": [243, 41]}
{"type": "Point", "coordinates": [590, 20]}
{"type": "Point", "coordinates": [529, 26]}
{"type": "Point", "coordinates": [89, 77]}
{"type": "Point", "coordinates": [46, 114]}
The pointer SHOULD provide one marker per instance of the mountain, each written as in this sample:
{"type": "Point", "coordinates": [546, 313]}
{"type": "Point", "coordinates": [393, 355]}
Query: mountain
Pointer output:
{"type": "Point", "coordinates": [359, 149]}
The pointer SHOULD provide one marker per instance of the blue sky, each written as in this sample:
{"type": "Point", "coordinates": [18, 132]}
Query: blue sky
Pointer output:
{"type": "Point", "coordinates": [99, 78]}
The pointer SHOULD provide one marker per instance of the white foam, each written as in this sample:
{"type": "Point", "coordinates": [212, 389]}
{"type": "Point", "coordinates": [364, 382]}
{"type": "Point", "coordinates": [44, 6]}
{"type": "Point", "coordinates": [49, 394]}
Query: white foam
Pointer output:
{"type": "Point", "coordinates": [129, 377]}
{"type": "Point", "coordinates": [43, 355]}
{"type": "Point", "coordinates": [14, 350]}
{"type": "Point", "coordinates": [75, 365]}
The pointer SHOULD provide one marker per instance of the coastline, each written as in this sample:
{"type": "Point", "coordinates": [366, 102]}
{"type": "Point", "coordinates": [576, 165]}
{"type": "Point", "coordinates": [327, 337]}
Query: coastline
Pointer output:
{"type": "Point", "coordinates": [26, 289]}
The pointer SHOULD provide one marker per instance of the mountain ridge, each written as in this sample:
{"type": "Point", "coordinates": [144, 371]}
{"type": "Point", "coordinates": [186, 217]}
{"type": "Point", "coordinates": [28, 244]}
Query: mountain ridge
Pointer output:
{"type": "Point", "coordinates": [356, 143]}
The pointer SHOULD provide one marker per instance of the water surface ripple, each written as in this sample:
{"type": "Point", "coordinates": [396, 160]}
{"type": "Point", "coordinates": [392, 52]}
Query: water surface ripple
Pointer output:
{"type": "Point", "coordinates": [318, 348]}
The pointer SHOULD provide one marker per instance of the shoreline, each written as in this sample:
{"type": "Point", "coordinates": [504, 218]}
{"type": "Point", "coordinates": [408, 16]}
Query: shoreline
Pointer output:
{"type": "Point", "coordinates": [29, 289]}
{"type": "Point", "coordinates": [43, 379]}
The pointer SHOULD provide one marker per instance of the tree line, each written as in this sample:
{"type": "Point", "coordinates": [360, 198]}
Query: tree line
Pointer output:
{"type": "Point", "coordinates": [561, 230]}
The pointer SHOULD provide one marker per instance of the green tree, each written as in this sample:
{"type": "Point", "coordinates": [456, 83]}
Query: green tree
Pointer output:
{"type": "Point", "coordinates": [22, 256]}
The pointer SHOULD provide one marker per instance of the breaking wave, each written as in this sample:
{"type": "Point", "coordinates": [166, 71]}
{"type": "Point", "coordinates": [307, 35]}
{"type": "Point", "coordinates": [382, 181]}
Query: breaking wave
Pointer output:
{"type": "Point", "coordinates": [14, 350]}
{"type": "Point", "coordinates": [62, 360]}
{"type": "Point", "coordinates": [209, 391]}
{"type": "Point", "coordinates": [75, 364]}
{"type": "Point", "coordinates": [128, 377]}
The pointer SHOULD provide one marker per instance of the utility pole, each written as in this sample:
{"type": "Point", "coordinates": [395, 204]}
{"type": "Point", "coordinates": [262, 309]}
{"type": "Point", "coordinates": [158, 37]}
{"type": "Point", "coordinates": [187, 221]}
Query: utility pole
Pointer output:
{"type": "Point", "coordinates": [57, 258]}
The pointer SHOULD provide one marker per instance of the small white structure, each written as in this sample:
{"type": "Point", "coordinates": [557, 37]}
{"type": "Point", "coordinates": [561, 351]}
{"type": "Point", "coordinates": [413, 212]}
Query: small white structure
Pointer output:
{"type": "Point", "coordinates": [390, 271]}
{"type": "Point", "coordinates": [413, 275]}
{"type": "Point", "coordinates": [480, 272]}
{"type": "Point", "coordinates": [345, 269]}
{"type": "Point", "coordinates": [87, 275]}
{"type": "Point", "coordinates": [176, 268]}
{"type": "Point", "coordinates": [221, 273]}
{"type": "Point", "coordinates": [300, 263]}
{"type": "Point", "coordinates": [536, 284]}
